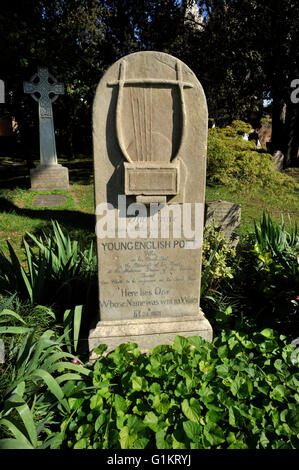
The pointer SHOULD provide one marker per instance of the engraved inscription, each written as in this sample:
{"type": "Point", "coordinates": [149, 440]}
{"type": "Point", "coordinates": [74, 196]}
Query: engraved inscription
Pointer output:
{"type": "Point", "coordinates": [147, 283]}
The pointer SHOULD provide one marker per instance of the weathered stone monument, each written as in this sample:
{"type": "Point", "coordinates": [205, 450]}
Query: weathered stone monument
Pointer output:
{"type": "Point", "coordinates": [2, 92]}
{"type": "Point", "coordinates": [45, 89]}
{"type": "Point", "coordinates": [227, 216]}
{"type": "Point", "coordinates": [150, 126]}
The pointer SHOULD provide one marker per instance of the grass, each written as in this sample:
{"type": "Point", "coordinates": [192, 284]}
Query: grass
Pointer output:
{"type": "Point", "coordinates": [18, 215]}
{"type": "Point", "coordinates": [253, 203]}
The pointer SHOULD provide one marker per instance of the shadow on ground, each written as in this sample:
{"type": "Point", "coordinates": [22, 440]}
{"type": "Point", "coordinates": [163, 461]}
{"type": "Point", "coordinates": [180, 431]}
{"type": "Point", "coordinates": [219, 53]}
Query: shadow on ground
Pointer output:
{"type": "Point", "coordinates": [71, 219]}
{"type": "Point", "coordinates": [15, 172]}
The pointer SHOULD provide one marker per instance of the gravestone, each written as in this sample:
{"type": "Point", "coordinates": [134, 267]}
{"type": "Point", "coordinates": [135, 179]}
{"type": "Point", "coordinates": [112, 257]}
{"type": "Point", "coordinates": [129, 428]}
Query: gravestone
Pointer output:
{"type": "Point", "coordinates": [150, 126]}
{"type": "Point", "coordinates": [49, 200]}
{"type": "Point", "coordinates": [278, 160]}
{"type": "Point", "coordinates": [2, 352]}
{"type": "Point", "coordinates": [227, 216]}
{"type": "Point", "coordinates": [2, 92]}
{"type": "Point", "coordinates": [45, 89]}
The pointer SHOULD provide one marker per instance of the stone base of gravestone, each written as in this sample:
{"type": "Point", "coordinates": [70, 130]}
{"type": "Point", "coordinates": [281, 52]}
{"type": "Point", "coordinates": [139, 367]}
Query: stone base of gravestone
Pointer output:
{"type": "Point", "coordinates": [227, 216]}
{"type": "Point", "coordinates": [148, 333]}
{"type": "Point", "coordinates": [49, 177]}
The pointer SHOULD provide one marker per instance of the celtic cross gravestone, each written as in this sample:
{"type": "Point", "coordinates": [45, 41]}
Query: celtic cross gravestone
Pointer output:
{"type": "Point", "coordinates": [45, 89]}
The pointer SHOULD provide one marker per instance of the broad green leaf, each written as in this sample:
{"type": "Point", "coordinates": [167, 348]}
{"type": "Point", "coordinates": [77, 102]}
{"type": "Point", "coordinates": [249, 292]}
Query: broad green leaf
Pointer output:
{"type": "Point", "coordinates": [50, 382]}
{"type": "Point", "coordinates": [264, 440]}
{"type": "Point", "coordinates": [67, 377]}
{"type": "Point", "coordinates": [292, 419]}
{"type": "Point", "coordinates": [193, 430]}
{"type": "Point", "coordinates": [151, 420]}
{"type": "Point", "coordinates": [135, 424]}
{"type": "Point", "coordinates": [7, 312]}
{"type": "Point", "coordinates": [214, 434]}
{"type": "Point", "coordinates": [17, 433]}
{"type": "Point", "coordinates": [60, 366]}
{"type": "Point", "coordinates": [76, 325]}
{"type": "Point", "coordinates": [177, 444]}
{"type": "Point", "coordinates": [180, 344]}
{"type": "Point", "coordinates": [100, 349]}
{"type": "Point", "coordinates": [192, 410]}
{"type": "Point", "coordinates": [140, 443]}
{"type": "Point", "coordinates": [99, 422]}
{"type": "Point", "coordinates": [26, 416]}
{"type": "Point", "coordinates": [268, 333]}
{"type": "Point", "coordinates": [162, 440]}
{"type": "Point", "coordinates": [127, 438]}
{"type": "Point", "coordinates": [236, 385]}
{"type": "Point", "coordinates": [120, 404]}
{"type": "Point", "coordinates": [14, 329]}
{"type": "Point", "coordinates": [161, 403]}
{"type": "Point", "coordinates": [206, 395]}
{"type": "Point", "coordinates": [155, 388]}
{"type": "Point", "coordinates": [238, 445]}
{"type": "Point", "coordinates": [223, 370]}
{"type": "Point", "coordinates": [82, 443]}
{"type": "Point", "coordinates": [279, 393]}
{"type": "Point", "coordinates": [14, 444]}
{"type": "Point", "coordinates": [223, 352]}
{"type": "Point", "coordinates": [96, 401]}
{"type": "Point", "coordinates": [84, 431]}
{"type": "Point", "coordinates": [139, 384]}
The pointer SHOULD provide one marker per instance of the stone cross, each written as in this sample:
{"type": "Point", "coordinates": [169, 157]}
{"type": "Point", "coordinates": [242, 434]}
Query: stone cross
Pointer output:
{"type": "Point", "coordinates": [44, 89]}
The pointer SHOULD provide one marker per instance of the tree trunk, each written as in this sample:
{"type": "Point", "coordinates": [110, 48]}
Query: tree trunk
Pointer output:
{"type": "Point", "coordinates": [292, 135]}
{"type": "Point", "coordinates": [278, 124]}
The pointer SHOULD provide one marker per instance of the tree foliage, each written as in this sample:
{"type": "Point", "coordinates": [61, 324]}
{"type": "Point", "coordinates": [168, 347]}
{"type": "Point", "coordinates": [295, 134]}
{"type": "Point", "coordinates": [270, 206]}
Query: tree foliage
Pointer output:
{"type": "Point", "coordinates": [241, 51]}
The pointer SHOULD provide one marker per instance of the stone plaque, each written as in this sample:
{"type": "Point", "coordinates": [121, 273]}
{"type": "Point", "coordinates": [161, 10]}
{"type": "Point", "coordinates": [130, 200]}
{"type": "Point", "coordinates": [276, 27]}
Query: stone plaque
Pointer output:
{"type": "Point", "coordinates": [49, 200]}
{"type": "Point", "coordinates": [226, 215]}
{"type": "Point", "coordinates": [150, 138]}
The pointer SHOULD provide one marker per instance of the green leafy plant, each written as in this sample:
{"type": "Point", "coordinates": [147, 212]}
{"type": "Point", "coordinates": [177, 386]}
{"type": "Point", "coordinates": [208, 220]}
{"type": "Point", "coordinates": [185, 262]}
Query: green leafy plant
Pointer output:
{"type": "Point", "coordinates": [238, 392]}
{"type": "Point", "coordinates": [52, 273]}
{"type": "Point", "coordinates": [217, 260]}
{"type": "Point", "coordinates": [42, 378]}
{"type": "Point", "coordinates": [275, 267]}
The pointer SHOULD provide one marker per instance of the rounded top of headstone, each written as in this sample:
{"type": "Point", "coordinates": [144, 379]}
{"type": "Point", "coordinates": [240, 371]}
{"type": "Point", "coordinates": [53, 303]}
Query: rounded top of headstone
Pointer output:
{"type": "Point", "coordinates": [152, 65]}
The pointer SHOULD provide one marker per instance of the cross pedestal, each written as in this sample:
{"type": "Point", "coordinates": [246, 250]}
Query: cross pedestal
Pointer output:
{"type": "Point", "coordinates": [44, 89]}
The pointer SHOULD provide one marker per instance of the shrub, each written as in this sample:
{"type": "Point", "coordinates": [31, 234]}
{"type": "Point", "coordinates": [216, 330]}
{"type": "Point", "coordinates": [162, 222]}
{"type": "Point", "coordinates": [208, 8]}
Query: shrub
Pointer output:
{"type": "Point", "coordinates": [266, 276]}
{"type": "Point", "coordinates": [42, 378]}
{"type": "Point", "coordinates": [236, 162]}
{"type": "Point", "coordinates": [57, 271]}
{"type": "Point", "coordinates": [217, 259]}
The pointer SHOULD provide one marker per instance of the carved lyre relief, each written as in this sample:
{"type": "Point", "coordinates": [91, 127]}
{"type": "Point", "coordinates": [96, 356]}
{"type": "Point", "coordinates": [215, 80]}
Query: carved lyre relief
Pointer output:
{"type": "Point", "coordinates": [151, 126]}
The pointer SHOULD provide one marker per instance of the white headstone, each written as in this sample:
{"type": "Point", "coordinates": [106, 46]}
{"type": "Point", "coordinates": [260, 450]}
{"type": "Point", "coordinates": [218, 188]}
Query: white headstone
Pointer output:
{"type": "Point", "coordinates": [2, 92]}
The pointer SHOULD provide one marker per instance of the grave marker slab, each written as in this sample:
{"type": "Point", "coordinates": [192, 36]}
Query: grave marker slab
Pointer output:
{"type": "Point", "coordinates": [44, 89]}
{"type": "Point", "coordinates": [49, 200]}
{"type": "Point", "coordinates": [150, 126]}
{"type": "Point", "coordinates": [226, 215]}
